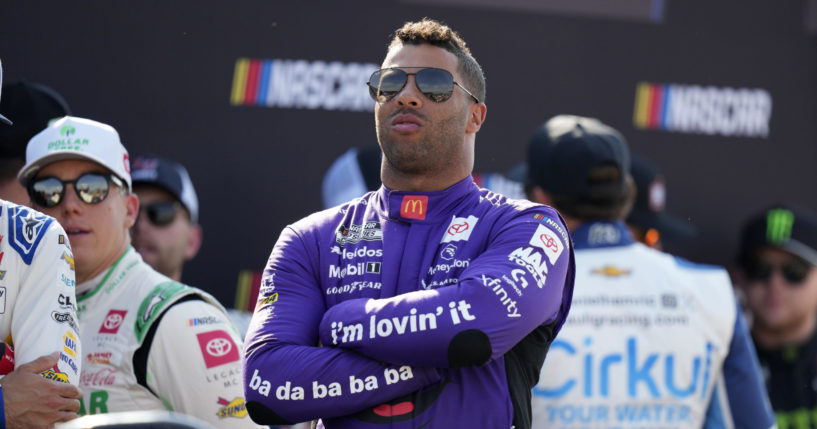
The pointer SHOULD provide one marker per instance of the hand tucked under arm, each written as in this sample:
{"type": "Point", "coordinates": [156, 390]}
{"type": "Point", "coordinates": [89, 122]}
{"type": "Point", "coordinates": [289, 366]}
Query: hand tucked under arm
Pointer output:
{"type": "Point", "coordinates": [31, 401]}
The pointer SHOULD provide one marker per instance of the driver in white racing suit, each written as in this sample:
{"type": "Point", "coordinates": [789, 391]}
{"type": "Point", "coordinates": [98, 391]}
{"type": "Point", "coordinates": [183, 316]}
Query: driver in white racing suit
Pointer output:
{"type": "Point", "coordinates": [150, 343]}
{"type": "Point", "coordinates": [652, 341]}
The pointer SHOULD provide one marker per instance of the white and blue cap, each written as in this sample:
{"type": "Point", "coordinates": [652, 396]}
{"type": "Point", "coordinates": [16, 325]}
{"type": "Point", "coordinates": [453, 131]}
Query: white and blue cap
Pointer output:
{"type": "Point", "coordinates": [3, 119]}
{"type": "Point", "coordinates": [76, 138]}
{"type": "Point", "coordinates": [168, 175]}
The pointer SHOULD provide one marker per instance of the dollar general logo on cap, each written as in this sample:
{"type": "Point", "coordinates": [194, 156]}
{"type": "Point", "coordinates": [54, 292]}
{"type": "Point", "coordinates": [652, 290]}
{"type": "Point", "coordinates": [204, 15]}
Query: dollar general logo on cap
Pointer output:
{"type": "Point", "coordinates": [67, 130]}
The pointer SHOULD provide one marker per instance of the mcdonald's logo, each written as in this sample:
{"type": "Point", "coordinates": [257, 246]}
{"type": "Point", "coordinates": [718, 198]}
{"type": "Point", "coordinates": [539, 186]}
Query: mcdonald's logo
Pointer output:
{"type": "Point", "coordinates": [414, 207]}
{"type": "Point", "coordinates": [779, 223]}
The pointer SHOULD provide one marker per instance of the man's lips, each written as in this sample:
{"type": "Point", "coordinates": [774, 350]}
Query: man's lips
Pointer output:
{"type": "Point", "coordinates": [406, 123]}
{"type": "Point", "coordinates": [74, 231]}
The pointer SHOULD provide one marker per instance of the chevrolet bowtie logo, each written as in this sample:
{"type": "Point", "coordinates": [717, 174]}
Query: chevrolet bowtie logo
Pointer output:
{"type": "Point", "coordinates": [611, 271]}
{"type": "Point", "coordinates": [414, 207]}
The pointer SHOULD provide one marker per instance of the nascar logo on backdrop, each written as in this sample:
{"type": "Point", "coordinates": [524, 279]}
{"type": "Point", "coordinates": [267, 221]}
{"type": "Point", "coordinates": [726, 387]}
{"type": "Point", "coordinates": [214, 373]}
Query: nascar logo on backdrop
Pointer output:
{"type": "Point", "coordinates": [302, 84]}
{"type": "Point", "coordinates": [693, 109]}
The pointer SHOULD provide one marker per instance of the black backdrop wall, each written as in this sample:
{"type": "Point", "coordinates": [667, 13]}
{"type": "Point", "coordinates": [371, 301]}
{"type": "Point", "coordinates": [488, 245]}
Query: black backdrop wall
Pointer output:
{"type": "Point", "coordinates": [257, 97]}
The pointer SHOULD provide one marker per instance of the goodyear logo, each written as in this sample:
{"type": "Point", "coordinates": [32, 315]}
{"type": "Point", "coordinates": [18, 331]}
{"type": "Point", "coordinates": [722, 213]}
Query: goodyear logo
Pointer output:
{"type": "Point", "coordinates": [235, 408]}
{"type": "Point", "coordinates": [414, 207]}
{"type": "Point", "coordinates": [69, 345]}
{"type": "Point", "coordinates": [56, 376]}
{"type": "Point", "coordinates": [267, 301]}
{"type": "Point", "coordinates": [611, 271]}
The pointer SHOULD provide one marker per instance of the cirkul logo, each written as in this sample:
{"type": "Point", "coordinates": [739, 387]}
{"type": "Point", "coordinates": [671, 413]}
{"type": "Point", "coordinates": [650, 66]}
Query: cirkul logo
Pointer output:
{"type": "Point", "coordinates": [112, 321]}
{"type": "Point", "coordinates": [218, 347]}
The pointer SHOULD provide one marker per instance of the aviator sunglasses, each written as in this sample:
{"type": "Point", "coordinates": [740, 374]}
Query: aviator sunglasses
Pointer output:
{"type": "Point", "coordinates": [91, 188]}
{"type": "Point", "coordinates": [161, 213]}
{"type": "Point", "coordinates": [436, 84]}
{"type": "Point", "coordinates": [794, 272]}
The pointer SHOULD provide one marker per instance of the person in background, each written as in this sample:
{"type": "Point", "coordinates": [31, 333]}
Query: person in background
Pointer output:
{"type": "Point", "coordinates": [777, 271]}
{"type": "Point", "coordinates": [460, 289]}
{"type": "Point", "coordinates": [166, 233]}
{"type": "Point", "coordinates": [149, 343]}
{"type": "Point", "coordinates": [651, 340]}
{"type": "Point", "coordinates": [31, 105]}
{"type": "Point", "coordinates": [648, 220]}
{"type": "Point", "coordinates": [40, 353]}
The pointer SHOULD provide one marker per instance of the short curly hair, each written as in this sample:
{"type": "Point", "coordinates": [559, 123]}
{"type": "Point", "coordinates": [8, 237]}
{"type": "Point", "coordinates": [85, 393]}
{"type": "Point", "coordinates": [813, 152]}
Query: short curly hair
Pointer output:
{"type": "Point", "coordinates": [438, 34]}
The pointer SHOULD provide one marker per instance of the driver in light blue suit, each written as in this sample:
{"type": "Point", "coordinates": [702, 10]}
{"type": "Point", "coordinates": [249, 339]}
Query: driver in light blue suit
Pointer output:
{"type": "Point", "coordinates": [651, 340]}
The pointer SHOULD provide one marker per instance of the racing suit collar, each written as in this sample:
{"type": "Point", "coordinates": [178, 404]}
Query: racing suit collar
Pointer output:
{"type": "Point", "coordinates": [596, 234]}
{"type": "Point", "coordinates": [91, 287]}
{"type": "Point", "coordinates": [425, 207]}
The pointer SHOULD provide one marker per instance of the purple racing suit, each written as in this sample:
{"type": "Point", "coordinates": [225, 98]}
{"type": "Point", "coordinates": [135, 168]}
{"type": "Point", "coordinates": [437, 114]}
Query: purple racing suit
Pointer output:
{"type": "Point", "coordinates": [409, 310]}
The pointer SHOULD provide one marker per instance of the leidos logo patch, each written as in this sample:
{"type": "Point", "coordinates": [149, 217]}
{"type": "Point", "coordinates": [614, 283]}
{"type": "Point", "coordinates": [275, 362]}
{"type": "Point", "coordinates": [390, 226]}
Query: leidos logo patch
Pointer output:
{"type": "Point", "coordinates": [414, 207]}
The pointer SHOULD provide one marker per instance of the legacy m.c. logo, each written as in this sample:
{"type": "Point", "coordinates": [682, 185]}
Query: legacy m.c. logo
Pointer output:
{"type": "Point", "coordinates": [414, 207]}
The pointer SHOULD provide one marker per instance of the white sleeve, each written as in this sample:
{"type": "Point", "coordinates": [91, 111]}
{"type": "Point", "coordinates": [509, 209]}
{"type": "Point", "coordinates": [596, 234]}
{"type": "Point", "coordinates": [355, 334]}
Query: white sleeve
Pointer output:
{"type": "Point", "coordinates": [44, 318]}
{"type": "Point", "coordinates": [194, 365]}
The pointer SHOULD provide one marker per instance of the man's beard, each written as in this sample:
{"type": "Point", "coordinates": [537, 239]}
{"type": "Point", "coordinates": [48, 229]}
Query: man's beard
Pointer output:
{"type": "Point", "coordinates": [440, 145]}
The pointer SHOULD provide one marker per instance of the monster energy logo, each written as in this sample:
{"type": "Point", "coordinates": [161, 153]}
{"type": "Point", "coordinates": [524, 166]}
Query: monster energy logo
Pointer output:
{"type": "Point", "coordinates": [778, 225]}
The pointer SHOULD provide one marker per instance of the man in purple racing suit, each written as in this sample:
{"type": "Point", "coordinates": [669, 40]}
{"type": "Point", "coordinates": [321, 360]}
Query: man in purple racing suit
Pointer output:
{"type": "Point", "coordinates": [429, 303]}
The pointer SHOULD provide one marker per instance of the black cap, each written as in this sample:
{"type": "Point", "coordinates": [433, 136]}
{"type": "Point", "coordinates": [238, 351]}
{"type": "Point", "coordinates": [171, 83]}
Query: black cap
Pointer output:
{"type": "Point", "coordinates": [566, 148]}
{"type": "Point", "coordinates": [784, 226]}
{"type": "Point", "coordinates": [3, 119]}
{"type": "Point", "coordinates": [649, 208]}
{"type": "Point", "coordinates": [168, 175]}
{"type": "Point", "coordinates": [31, 106]}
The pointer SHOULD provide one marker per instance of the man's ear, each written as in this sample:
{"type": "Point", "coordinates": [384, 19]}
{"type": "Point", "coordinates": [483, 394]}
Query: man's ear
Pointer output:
{"type": "Point", "coordinates": [476, 117]}
{"type": "Point", "coordinates": [194, 239]}
{"type": "Point", "coordinates": [131, 209]}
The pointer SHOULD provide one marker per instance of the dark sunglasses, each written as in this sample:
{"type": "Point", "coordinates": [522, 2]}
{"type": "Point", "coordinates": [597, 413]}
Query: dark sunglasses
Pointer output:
{"type": "Point", "coordinates": [436, 84]}
{"type": "Point", "coordinates": [161, 213]}
{"type": "Point", "coordinates": [794, 272]}
{"type": "Point", "coordinates": [91, 188]}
